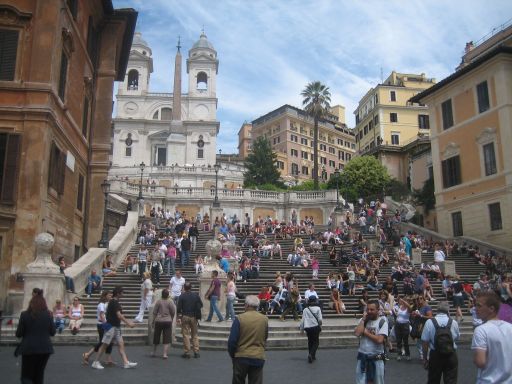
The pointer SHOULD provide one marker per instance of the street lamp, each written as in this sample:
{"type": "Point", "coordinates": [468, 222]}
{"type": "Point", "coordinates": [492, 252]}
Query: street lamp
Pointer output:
{"type": "Point", "coordinates": [103, 243]}
{"type": "Point", "coordinates": [141, 166]}
{"type": "Point", "coordinates": [216, 167]}
{"type": "Point", "coordinates": [337, 176]}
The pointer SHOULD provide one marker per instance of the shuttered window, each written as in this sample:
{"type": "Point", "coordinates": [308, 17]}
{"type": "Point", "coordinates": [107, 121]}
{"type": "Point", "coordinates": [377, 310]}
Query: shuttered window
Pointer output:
{"type": "Point", "coordinates": [63, 75]}
{"type": "Point", "coordinates": [57, 171]}
{"type": "Point", "coordinates": [8, 51]}
{"type": "Point", "coordinates": [80, 195]}
{"type": "Point", "coordinates": [9, 160]}
{"type": "Point", "coordinates": [85, 117]}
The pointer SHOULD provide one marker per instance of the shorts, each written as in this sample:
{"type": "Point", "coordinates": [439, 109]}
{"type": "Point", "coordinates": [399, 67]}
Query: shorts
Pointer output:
{"type": "Point", "coordinates": [112, 334]}
{"type": "Point", "coordinates": [458, 301]}
{"type": "Point", "coordinates": [164, 330]}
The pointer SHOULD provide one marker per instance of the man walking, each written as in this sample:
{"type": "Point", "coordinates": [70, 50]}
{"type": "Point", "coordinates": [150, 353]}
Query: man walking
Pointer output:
{"type": "Point", "coordinates": [213, 294]}
{"type": "Point", "coordinates": [193, 234]}
{"type": "Point", "coordinates": [189, 313]}
{"type": "Point", "coordinates": [246, 343]}
{"type": "Point", "coordinates": [491, 342]}
{"type": "Point", "coordinates": [176, 286]}
{"type": "Point", "coordinates": [439, 335]}
{"type": "Point", "coordinates": [373, 331]}
{"type": "Point", "coordinates": [114, 317]}
{"type": "Point", "coordinates": [185, 250]}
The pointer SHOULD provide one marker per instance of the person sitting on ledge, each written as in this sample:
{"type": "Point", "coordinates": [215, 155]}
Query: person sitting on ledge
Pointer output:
{"type": "Point", "coordinates": [93, 283]}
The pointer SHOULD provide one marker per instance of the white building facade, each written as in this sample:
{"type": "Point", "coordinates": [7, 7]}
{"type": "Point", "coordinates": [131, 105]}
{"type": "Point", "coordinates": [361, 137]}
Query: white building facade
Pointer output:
{"type": "Point", "coordinates": [167, 129]}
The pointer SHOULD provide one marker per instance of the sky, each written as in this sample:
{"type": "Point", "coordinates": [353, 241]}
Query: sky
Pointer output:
{"type": "Point", "coordinates": [268, 50]}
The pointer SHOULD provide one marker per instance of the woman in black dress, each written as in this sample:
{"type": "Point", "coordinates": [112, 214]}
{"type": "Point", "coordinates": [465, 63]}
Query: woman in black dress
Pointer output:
{"type": "Point", "coordinates": [35, 328]}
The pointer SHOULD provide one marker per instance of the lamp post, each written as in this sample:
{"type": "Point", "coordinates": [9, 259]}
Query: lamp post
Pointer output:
{"type": "Point", "coordinates": [141, 166]}
{"type": "Point", "coordinates": [103, 243]}
{"type": "Point", "coordinates": [337, 176]}
{"type": "Point", "coordinates": [216, 167]}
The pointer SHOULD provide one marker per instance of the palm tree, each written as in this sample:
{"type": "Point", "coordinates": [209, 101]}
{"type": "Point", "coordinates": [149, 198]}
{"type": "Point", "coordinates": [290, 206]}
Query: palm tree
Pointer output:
{"type": "Point", "coordinates": [316, 103]}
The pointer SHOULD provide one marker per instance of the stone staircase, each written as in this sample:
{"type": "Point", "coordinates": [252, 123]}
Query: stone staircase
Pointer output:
{"type": "Point", "coordinates": [337, 329]}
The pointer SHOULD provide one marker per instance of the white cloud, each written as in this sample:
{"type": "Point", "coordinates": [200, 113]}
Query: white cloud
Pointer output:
{"type": "Point", "coordinates": [269, 50]}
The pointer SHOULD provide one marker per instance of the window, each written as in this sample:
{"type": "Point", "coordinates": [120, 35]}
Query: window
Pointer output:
{"type": "Point", "coordinates": [202, 81]}
{"type": "Point", "coordinates": [8, 52]}
{"type": "Point", "coordinates": [294, 138]}
{"type": "Point", "coordinates": [451, 171]}
{"type": "Point", "coordinates": [303, 141]}
{"type": "Point", "coordinates": [370, 125]}
{"type": "Point", "coordinates": [423, 122]}
{"type": "Point", "coordinates": [447, 112]}
{"type": "Point", "coordinates": [395, 138]}
{"type": "Point", "coordinates": [200, 153]}
{"type": "Point", "coordinates": [376, 120]}
{"type": "Point", "coordinates": [77, 252]}
{"type": "Point", "coordinates": [304, 155]}
{"type": "Point", "coordinates": [276, 140]}
{"type": "Point", "coordinates": [280, 164]}
{"type": "Point", "coordinates": [495, 216]}
{"type": "Point", "coordinates": [155, 115]}
{"type": "Point", "coordinates": [341, 155]}
{"type": "Point", "coordinates": [392, 95]}
{"type": "Point", "coordinates": [133, 80]}
{"type": "Point", "coordinates": [348, 156]}
{"type": "Point", "coordinates": [357, 118]}
{"type": "Point", "coordinates": [295, 169]}
{"type": "Point", "coordinates": [9, 154]}
{"type": "Point", "coordinates": [332, 163]}
{"type": "Point", "coordinates": [489, 159]}
{"type": "Point", "coordinates": [323, 147]}
{"type": "Point", "coordinates": [332, 151]}
{"type": "Point", "coordinates": [376, 99]}
{"type": "Point", "coordinates": [340, 142]}
{"type": "Point", "coordinates": [365, 130]}
{"type": "Point", "coordinates": [85, 117]}
{"type": "Point", "coordinates": [166, 114]}
{"type": "Point", "coordinates": [294, 152]}
{"type": "Point", "coordinates": [73, 7]}
{"type": "Point", "coordinates": [128, 151]}
{"type": "Point", "coordinates": [57, 169]}
{"type": "Point", "coordinates": [92, 45]}
{"type": "Point", "coordinates": [63, 75]}
{"type": "Point", "coordinates": [482, 92]}
{"type": "Point", "coordinates": [457, 224]}
{"type": "Point", "coordinates": [323, 160]}
{"type": "Point", "coordinates": [393, 117]}
{"type": "Point", "coordinates": [305, 170]}
{"type": "Point", "coordinates": [80, 194]}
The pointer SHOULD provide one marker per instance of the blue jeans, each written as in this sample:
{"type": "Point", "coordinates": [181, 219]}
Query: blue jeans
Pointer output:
{"type": "Point", "coordinates": [91, 288]}
{"type": "Point", "coordinates": [230, 310]}
{"type": "Point", "coordinates": [379, 373]}
{"type": "Point", "coordinates": [214, 308]}
{"type": "Point", "coordinates": [184, 257]}
{"type": "Point", "coordinates": [59, 324]}
{"type": "Point", "coordinates": [70, 284]}
{"type": "Point", "coordinates": [170, 264]}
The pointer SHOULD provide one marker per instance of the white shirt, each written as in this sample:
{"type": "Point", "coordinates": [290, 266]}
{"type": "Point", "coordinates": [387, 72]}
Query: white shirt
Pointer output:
{"type": "Point", "coordinates": [439, 256]}
{"type": "Point", "coordinates": [495, 337]}
{"type": "Point", "coordinates": [176, 285]}
{"type": "Point", "coordinates": [309, 293]}
{"type": "Point", "coordinates": [367, 346]}
{"type": "Point", "coordinates": [308, 317]}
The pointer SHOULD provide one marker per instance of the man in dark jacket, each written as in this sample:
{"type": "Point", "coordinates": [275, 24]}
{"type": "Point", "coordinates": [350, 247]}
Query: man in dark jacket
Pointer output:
{"type": "Point", "coordinates": [193, 234]}
{"type": "Point", "coordinates": [185, 250]}
{"type": "Point", "coordinates": [246, 343]}
{"type": "Point", "coordinates": [189, 312]}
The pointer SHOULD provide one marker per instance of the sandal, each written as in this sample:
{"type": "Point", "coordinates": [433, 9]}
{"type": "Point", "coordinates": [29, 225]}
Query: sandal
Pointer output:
{"type": "Point", "coordinates": [85, 358]}
{"type": "Point", "coordinates": [165, 357]}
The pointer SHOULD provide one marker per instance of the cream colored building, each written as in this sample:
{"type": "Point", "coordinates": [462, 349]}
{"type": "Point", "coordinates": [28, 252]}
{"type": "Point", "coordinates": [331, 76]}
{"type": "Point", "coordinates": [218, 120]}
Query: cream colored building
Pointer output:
{"type": "Point", "coordinates": [389, 126]}
{"type": "Point", "coordinates": [471, 123]}
{"type": "Point", "coordinates": [244, 140]}
{"type": "Point", "coordinates": [290, 131]}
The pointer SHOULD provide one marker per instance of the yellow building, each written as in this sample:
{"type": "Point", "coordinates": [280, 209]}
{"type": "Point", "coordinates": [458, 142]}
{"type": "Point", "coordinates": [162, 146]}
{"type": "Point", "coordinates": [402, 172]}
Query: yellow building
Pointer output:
{"type": "Point", "coordinates": [290, 131]}
{"type": "Point", "coordinates": [244, 140]}
{"type": "Point", "coordinates": [471, 123]}
{"type": "Point", "coordinates": [387, 123]}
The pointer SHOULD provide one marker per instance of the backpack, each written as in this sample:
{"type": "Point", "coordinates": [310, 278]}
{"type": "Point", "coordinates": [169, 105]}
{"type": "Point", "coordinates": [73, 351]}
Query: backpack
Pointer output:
{"type": "Point", "coordinates": [443, 340]}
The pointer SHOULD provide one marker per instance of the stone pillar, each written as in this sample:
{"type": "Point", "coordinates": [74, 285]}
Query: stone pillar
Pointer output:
{"type": "Point", "coordinates": [339, 218]}
{"type": "Point", "coordinates": [215, 212]}
{"type": "Point", "coordinates": [44, 273]}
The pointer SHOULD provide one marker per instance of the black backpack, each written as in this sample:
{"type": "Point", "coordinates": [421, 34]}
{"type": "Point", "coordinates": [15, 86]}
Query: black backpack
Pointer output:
{"type": "Point", "coordinates": [443, 339]}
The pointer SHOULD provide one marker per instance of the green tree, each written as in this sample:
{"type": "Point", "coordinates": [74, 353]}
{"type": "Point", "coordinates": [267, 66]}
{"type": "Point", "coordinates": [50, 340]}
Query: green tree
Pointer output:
{"type": "Point", "coordinates": [261, 165]}
{"type": "Point", "coordinates": [316, 103]}
{"type": "Point", "coordinates": [425, 196]}
{"type": "Point", "coordinates": [366, 176]}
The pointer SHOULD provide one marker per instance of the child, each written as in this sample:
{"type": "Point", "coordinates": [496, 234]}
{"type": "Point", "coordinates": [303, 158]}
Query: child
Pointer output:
{"type": "Point", "coordinates": [315, 266]}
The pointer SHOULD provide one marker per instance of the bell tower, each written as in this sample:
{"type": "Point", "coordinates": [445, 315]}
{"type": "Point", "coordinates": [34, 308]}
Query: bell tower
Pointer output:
{"type": "Point", "coordinates": [140, 67]}
{"type": "Point", "coordinates": [202, 69]}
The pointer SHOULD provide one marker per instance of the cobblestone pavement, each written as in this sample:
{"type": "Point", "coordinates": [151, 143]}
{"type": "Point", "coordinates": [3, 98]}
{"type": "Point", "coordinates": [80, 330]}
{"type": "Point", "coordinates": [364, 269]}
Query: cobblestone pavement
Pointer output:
{"type": "Point", "coordinates": [332, 366]}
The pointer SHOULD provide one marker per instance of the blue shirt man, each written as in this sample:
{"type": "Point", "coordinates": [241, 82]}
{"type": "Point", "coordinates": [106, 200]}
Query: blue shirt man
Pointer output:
{"type": "Point", "coordinates": [93, 283]}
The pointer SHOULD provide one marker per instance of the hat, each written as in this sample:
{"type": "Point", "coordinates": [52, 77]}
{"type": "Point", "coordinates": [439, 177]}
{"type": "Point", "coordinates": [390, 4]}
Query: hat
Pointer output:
{"type": "Point", "coordinates": [312, 299]}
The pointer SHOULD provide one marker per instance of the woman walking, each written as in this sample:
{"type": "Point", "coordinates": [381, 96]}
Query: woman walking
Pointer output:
{"type": "Point", "coordinates": [101, 319]}
{"type": "Point", "coordinates": [402, 329]}
{"type": "Point", "coordinates": [311, 323]}
{"type": "Point", "coordinates": [35, 328]}
{"type": "Point", "coordinates": [146, 296]}
{"type": "Point", "coordinates": [230, 298]}
{"type": "Point", "coordinates": [163, 315]}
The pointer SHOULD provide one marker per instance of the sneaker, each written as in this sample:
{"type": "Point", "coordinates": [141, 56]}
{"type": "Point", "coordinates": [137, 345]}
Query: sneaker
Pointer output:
{"type": "Point", "coordinates": [408, 358]}
{"type": "Point", "coordinates": [186, 356]}
{"type": "Point", "coordinates": [197, 355]}
{"type": "Point", "coordinates": [97, 365]}
{"type": "Point", "coordinates": [399, 357]}
{"type": "Point", "coordinates": [129, 365]}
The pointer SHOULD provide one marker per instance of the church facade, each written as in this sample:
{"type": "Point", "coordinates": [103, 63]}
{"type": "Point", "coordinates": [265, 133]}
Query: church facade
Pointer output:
{"type": "Point", "coordinates": [167, 131]}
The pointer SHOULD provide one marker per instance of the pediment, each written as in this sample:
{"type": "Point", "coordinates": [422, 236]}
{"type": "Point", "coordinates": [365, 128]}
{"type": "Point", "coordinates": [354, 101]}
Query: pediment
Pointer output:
{"type": "Point", "coordinates": [160, 135]}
